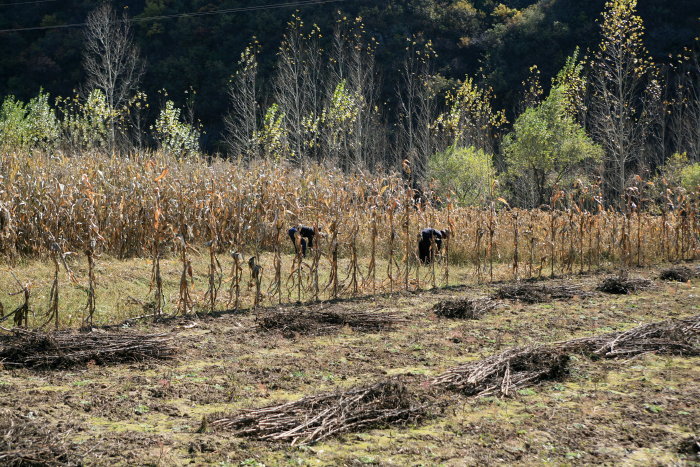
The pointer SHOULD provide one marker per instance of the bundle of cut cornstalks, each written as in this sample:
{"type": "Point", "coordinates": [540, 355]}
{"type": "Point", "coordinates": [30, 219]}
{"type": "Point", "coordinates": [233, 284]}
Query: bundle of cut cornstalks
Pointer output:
{"type": "Point", "coordinates": [675, 336]}
{"type": "Point", "coordinates": [466, 308]}
{"type": "Point", "coordinates": [35, 349]}
{"type": "Point", "coordinates": [315, 418]}
{"type": "Point", "coordinates": [678, 274]}
{"type": "Point", "coordinates": [521, 367]}
{"type": "Point", "coordinates": [310, 322]}
{"type": "Point", "coordinates": [504, 372]}
{"type": "Point", "coordinates": [623, 285]}
{"type": "Point", "coordinates": [530, 293]}
{"type": "Point", "coordinates": [28, 441]}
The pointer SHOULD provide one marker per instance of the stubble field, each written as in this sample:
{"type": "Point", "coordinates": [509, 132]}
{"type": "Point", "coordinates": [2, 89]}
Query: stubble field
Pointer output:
{"type": "Point", "coordinates": [641, 410]}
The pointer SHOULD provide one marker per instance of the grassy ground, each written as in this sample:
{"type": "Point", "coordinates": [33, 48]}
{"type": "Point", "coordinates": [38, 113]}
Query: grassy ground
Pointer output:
{"type": "Point", "coordinates": [636, 412]}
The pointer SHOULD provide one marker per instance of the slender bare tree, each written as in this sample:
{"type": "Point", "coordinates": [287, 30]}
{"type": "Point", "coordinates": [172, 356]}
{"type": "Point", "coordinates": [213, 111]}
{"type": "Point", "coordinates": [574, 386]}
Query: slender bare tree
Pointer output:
{"type": "Point", "coordinates": [685, 117]}
{"type": "Point", "coordinates": [111, 61]}
{"type": "Point", "coordinates": [417, 105]}
{"type": "Point", "coordinates": [297, 84]}
{"type": "Point", "coordinates": [619, 108]}
{"type": "Point", "coordinates": [242, 121]}
{"type": "Point", "coordinates": [352, 61]}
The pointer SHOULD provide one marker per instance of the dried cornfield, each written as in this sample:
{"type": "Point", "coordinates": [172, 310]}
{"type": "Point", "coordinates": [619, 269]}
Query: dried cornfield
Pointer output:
{"type": "Point", "coordinates": [157, 206]}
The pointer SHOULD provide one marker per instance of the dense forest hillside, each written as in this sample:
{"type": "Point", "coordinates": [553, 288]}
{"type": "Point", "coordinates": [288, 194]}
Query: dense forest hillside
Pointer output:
{"type": "Point", "coordinates": [498, 41]}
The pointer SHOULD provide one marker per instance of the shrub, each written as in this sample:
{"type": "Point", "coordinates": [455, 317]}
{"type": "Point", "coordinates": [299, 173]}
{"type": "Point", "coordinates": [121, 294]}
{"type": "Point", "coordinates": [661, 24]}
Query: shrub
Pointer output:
{"type": "Point", "coordinates": [172, 134]}
{"type": "Point", "coordinates": [679, 171]}
{"type": "Point", "coordinates": [466, 173]}
{"type": "Point", "coordinates": [28, 126]}
{"type": "Point", "coordinates": [85, 123]}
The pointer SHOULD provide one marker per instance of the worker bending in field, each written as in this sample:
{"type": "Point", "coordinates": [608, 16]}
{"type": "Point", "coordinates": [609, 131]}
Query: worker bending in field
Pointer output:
{"type": "Point", "coordinates": [425, 243]}
{"type": "Point", "coordinates": [306, 238]}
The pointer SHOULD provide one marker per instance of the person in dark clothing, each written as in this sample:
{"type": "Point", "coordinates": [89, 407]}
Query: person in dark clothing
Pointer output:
{"type": "Point", "coordinates": [306, 235]}
{"type": "Point", "coordinates": [425, 242]}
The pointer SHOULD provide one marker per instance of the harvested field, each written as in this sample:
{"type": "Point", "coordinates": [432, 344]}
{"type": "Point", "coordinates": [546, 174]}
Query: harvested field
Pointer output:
{"type": "Point", "coordinates": [315, 418]}
{"type": "Point", "coordinates": [465, 308]}
{"type": "Point", "coordinates": [36, 349]}
{"type": "Point", "coordinates": [617, 386]}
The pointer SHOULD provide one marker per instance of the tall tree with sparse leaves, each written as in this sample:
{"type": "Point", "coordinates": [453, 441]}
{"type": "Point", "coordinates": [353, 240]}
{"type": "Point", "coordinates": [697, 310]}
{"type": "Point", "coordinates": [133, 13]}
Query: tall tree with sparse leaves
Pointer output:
{"type": "Point", "coordinates": [621, 73]}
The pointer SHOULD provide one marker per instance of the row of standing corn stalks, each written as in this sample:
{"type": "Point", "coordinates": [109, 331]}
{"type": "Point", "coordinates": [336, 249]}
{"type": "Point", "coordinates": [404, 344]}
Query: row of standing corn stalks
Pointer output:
{"type": "Point", "coordinates": [158, 206]}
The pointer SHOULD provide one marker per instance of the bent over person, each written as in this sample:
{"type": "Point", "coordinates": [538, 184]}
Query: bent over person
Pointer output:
{"type": "Point", "coordinates": [425, 242]}
{"type": "Point", "coordinates": [306, 235]}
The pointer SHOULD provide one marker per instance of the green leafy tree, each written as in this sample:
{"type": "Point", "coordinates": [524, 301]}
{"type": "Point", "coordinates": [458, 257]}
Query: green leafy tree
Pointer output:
{"type": "Point", "coordinates": [44, 127]}
{"type": "Point", "coordinates": [271, 139]}
{"type": "Point", "coordinates": [33, 125]}
{"type": "Point", "coordinates": [470, 119]}
{"type": "Point", "coordinates": [173, 134]}
{"type": "Point", "coordinates": [690, 177]}
{"type": "Point", "coordinates": [571, 78]}
{"type": "Point", "coordinates": [545, 146]}
{"type": "Point", "coordinates": [467, 174]}
{"type": "Point", "coordinates": [12, 123]}
{"type": "Point", "coordinates": [85, 123]}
